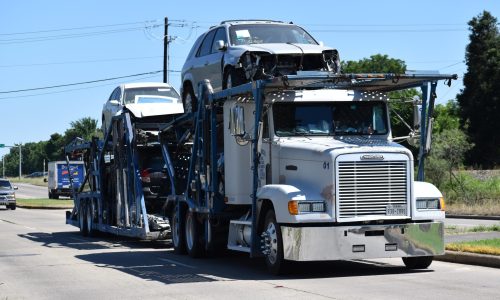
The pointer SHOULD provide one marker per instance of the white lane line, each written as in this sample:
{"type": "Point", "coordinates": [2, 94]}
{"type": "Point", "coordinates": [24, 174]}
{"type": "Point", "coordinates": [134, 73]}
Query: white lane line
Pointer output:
{"type": "Point", "coordinates": [177, 263]}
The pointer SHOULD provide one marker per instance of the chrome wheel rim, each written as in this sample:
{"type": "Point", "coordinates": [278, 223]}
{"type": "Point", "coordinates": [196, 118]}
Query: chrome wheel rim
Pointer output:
{"type": "Point", "coordinates": [89, 217]}
{"type": "Point", "coordinates": [273, 243]}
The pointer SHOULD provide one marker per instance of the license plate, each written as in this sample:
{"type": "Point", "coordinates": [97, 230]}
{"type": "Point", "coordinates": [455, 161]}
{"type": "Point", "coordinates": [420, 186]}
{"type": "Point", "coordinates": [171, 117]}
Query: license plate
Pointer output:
{"type": "Point", "coordinates": [395, 210]}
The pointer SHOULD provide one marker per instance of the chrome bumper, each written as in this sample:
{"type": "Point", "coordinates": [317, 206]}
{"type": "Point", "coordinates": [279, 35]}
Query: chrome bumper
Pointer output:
{"type": "Point", "coordinates": [361, 242]}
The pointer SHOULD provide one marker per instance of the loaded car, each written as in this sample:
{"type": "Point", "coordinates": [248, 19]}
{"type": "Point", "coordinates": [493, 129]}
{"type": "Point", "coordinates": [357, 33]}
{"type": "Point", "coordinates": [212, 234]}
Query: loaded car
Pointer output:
{"type": "Point", "coordinates": [239, 51]}
{"type": "Point", "coordinates": [143, 100]}
{"type": "Point", "coordinates": [7, 194]}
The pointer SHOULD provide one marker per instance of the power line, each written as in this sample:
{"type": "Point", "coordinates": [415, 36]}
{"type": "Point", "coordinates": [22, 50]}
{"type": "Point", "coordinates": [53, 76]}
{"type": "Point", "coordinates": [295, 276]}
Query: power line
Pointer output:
{"type": "Point", "coordinates": [80, 61]}
{"type": "Point", "coordinates": [84, 82]}
{"type": "Point", "coordinates": [71, 90]}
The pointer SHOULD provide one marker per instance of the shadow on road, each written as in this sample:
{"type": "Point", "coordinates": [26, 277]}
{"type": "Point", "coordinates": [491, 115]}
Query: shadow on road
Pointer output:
{"type": "Point", "coordinates": [156, 261]}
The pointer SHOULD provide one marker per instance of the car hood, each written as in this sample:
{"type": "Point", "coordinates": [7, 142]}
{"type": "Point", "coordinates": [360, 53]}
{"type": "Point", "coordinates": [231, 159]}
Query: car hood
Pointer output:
{"type": "Point", "coordinates": [281, 48]}
{"type": "Point", "coordinates": [154, 109]}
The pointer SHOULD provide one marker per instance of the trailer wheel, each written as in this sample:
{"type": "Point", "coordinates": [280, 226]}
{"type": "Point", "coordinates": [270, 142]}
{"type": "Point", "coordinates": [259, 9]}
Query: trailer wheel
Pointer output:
{"type": "Point", "coordinates": [273, 244]}
{"type": "Point", "coordinates": [420, 262]}
{"type": "Point", "coordinates": [177, 228]}
{"type": "Point", "coordinates": [82, 220]}
{"type": "Point", "coordinates": [193, 231]}
{"type": "Point", "coordinates": [89, 219]}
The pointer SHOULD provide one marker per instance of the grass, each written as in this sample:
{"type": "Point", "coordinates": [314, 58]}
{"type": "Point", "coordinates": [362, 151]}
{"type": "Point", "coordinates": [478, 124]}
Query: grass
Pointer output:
{"type": "Point", "coordinates": [45, 202]}
{"type": "Point", "coordinates": [483, 208]}
{"type": "Point", "coordinates": [491, 246]}
{"type": "Point", "coordinates": [461, 230]}
{"type": "Point", "coordinates": [35, 181]}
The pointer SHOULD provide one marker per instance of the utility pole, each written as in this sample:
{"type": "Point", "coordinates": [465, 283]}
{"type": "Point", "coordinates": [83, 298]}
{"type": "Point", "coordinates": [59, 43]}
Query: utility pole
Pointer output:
{"type": "Point", "coordinates": [3, 166]}
{"type": "Point", "coordinates": [165, 52]}
{"type": "Point", "coordinates": [20, 160]}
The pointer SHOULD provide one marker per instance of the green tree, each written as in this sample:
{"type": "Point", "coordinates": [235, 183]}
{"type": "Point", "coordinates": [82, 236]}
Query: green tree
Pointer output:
{"type": "Point", "coordinates": [446, 116]}
{"type": "Point", "coordinates": [480, 99]}
{"type": "Point", "coordinates": [84, 128]}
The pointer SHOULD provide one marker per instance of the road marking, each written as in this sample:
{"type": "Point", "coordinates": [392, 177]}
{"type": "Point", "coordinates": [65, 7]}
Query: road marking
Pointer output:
{"type": "Point", "coordinates": [177, 263]}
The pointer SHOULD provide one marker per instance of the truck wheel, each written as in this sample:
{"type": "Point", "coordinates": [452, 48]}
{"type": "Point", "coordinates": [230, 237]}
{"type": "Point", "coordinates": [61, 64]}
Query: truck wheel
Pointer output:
{"type": "Point", "coordinates": [420, 262]}
{"type": "Point", "coordinates": [189, 99]}
{"type": "Point", "coordinates": [177, 228]}
{"type": "Point", "coordinates": [82, 219]}
{"type": "Point", "coordinates": [273, 244]}
{"type": "Point", "coordinates": [193, 231]}
{"type": "Point", "coordinates": [89, 219]}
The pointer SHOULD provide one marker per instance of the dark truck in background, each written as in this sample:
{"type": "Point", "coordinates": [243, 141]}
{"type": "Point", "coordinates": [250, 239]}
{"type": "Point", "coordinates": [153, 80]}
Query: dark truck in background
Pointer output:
{"type": "Point", "coordinates": [59, 183]}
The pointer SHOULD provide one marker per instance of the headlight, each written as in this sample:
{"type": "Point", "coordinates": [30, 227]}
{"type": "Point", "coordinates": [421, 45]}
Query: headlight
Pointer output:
{"type": "Point", "coordinates": [299, 207]}
{"type": "Point", "coordinates": [430, 203]}
{"type": "Point", "coordinates": [11, 197]}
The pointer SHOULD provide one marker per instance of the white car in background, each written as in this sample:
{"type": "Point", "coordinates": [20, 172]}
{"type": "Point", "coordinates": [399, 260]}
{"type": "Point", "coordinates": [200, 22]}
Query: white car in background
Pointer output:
{"type": "Point", "coordinates": [143, 100]}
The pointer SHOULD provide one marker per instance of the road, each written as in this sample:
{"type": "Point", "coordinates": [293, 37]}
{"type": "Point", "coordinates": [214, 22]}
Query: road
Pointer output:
{"type": "Point", "coordinates": [42, 258]}
{"type": "Point", "coordinates": [29, 191]}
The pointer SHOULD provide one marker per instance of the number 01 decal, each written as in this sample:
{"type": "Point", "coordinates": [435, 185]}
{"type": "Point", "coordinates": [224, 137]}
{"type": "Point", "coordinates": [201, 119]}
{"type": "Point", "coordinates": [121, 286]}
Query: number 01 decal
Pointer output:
{"type": "Point", "coordinates": [326, 165]}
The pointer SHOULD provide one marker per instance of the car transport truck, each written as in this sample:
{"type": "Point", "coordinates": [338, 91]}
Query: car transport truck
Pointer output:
{"type": "Point", "coordinates": [291, 168]}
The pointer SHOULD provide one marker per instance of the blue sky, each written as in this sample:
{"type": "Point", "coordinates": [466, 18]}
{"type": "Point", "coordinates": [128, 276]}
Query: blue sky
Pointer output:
{"type": "Point", "coordinates": [47, 43]}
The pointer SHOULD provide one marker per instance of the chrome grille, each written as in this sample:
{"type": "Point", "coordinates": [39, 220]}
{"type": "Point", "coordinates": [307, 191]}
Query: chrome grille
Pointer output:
{"type": "Point", "coordinates": [365, 188]}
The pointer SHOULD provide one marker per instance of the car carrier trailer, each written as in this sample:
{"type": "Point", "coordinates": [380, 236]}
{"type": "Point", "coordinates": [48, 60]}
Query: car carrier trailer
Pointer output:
{"type": "Point", "coordinates": [113, 197]}
{"type": "Point", "coordinates": [267, 179]}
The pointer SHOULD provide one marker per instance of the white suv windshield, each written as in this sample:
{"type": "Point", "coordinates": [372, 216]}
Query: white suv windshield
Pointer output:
{"type": "Point", "coordinates": [332, 118]}
{"type": "Point", "coordinates": [131, 94]}
{"type": "Point", "coordinates": [268, 33]}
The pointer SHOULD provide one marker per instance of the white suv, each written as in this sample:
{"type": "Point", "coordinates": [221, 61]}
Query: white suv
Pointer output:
{"type": "Point", "coordinates": [239, 51]}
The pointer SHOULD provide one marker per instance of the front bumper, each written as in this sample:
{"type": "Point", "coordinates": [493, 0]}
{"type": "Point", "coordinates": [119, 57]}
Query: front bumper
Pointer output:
{"type": "Point", "coordinates": [362, 242]}
{"type": "Point", "coordinates": [5, 201]}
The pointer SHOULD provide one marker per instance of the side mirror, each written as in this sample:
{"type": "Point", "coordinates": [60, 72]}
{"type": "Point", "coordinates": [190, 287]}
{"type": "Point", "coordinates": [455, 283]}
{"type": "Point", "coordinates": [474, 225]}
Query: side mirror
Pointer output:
{"type": "Point", "coordinates": [417, 113]}
{"type": "Point", "coordinates": [221, 46]}
{"type": "Point", "coordinates": [45, 180]}
{"type": "Point", "coordinates": [237, 121]}
{"type": "Point", "coordinates": [114, 102]}
{"type": "Point", "coordinates": [16, 188]}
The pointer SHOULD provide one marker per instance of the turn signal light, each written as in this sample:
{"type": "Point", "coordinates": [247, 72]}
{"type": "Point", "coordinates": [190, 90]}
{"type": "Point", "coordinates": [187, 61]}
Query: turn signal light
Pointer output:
{"type": "Point", "coordinates": [442, 205]}
{"type": "Point", "coordinates": [293, 207]}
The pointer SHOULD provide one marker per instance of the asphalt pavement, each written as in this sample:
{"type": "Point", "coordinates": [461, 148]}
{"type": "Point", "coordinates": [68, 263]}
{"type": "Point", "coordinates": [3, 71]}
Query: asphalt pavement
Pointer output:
{"type": "Point", "coordinates": [43, 258]}
{"type": "Point", "coordinates": [30, 191]}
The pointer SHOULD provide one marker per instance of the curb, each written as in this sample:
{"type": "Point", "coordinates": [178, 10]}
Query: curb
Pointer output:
{"type": "Point", "coordinates": [475, 217]}
{"type": "Point", "coordinates": [484, 260]}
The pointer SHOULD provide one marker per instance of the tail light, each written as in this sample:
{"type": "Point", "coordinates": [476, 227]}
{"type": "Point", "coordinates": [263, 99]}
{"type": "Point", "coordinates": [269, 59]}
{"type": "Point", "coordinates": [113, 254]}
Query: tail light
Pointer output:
{"type": "Point", "coordinates": [145, 175]}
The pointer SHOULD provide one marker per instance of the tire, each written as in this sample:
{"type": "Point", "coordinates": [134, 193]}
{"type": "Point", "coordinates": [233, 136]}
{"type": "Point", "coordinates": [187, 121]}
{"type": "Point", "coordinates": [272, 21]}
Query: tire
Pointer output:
{"type": "Point", "coordinates": [177, 228]}
{"type": "Point", "coordinates": [189, 99]}
{"type": "Point", "coordinates": [420, 262]}
{"type": "Point", "coordinates": [193, 231]}
{"type": "Point", "coordinates": [232, 78]}
{"type": "Point", "coordinates": [274, 258]}
{"type": "Point", "coordinates": [50, 195]}
{"type": "Point", "coordinates": [89, 218]}
{"type": "Point", "coordinates": [82, 219]}
{"type": "Point", "coordinates": [12, 206]}
{"type": "Point", "coordinates": [55, 196]}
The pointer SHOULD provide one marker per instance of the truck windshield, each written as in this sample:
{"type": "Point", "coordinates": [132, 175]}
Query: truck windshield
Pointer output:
{"type": "Point", "coordinates": [269, 33]}
{"type": "Point", "coordinates": [332, 118]}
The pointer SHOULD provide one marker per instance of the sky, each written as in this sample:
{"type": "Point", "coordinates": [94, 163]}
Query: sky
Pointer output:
{"type": "Point", "coordinates": [53, 43]}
